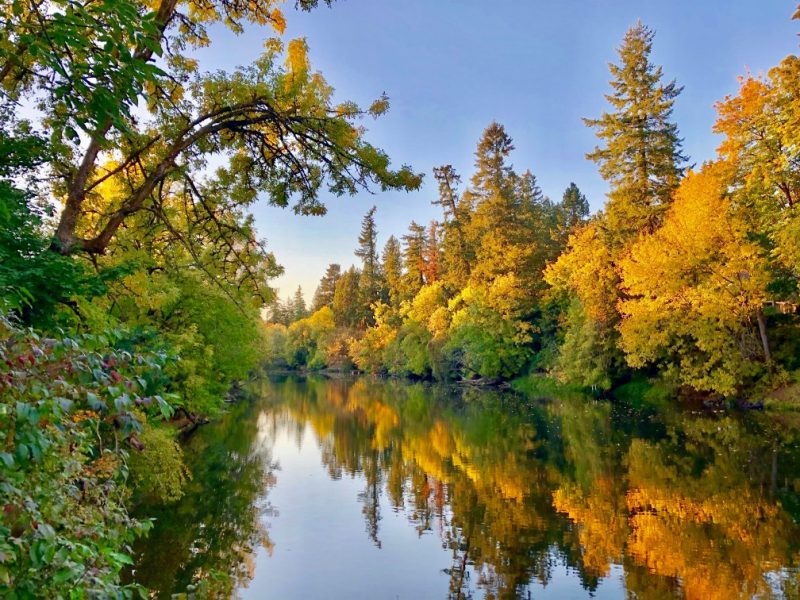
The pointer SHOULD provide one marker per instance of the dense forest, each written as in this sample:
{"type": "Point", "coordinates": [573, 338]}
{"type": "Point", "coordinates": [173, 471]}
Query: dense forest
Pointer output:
{"type": "Point", "coordinates": [133, 283]}
{"type": "Point", "coordinates": [688, 276]}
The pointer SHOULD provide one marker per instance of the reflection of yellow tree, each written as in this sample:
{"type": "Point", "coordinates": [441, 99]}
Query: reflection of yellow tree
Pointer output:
{"type": "Point", "coordinates": [684, 514]}
{"type": "Point", "coordinates": [594, 500]}
{"type": "Point", "coordinates": [713, 530]}
{"type": "Point", "coordinates": [466, 475]}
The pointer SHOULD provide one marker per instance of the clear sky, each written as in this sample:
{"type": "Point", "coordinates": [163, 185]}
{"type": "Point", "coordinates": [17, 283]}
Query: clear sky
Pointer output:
{"type": "Point", "coordinates": [450, 67]}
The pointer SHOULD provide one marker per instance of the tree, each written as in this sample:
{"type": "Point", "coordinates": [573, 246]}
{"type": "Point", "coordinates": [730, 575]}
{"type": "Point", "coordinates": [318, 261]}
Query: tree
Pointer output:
{"type": "Point", "coordinates": [367, 251]}
{"type": "Point", "coordinates": [457, 256]}
{"type": "Point", "coordinates": [761, 125]}
{"type": "Point", "coordinates": [574, 208]}
{"type": "Point", "coordinates": [506, 210]}
{"type": "Point", "coordinates": [34, 282]}
{"type": "Point", "coordinates": [274, 126]}
{"type": "Point", "coordinates": [641, 157]}
{"type": "Point", "coordinates": [346, 306]}
{"type": "Point", "coordinates": [586, 276]}
{"type": "Point", "coordinates": [392, 268]}
{"type": "Point", "coordinates": [299, 305]}
{"type": "Point", "coordinates": [327, 287]}
{"type": "Point", "coordinates": [414, 243]}
{"type": "Point", "coordinates": [432, 254]}
{"type": "Point", "coordinates": [694, 291]}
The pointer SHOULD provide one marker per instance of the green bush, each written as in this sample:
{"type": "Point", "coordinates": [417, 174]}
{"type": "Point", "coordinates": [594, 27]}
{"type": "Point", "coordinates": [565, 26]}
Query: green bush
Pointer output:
{"type": "Point", "coordinates": [69, 411]}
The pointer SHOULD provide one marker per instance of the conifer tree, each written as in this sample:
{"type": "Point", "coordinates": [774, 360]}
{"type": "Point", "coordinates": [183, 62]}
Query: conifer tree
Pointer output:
{"type": "Point", "coordinates": [393, 271]}
{"type": "Point", "coordinates": [447, 180]}
{"type": "Point", "coordinates": [346, 305]}
{"type": "Point", "coordinates": [457, 255]}
{"type": "Point", "coordinates": [504, 215]}
{"type": "Point", "coordinates": [327, 287]}
{"type": "Point", "coordinates": [432, 254]}
{"type": "Point", "coordinates": [574, 208]}
{"type": "Point", "coordinates": [299, 310]}
{"type": "Point", "coordinates": [367, 251]}
{"type": "Point", "coordinates": [641, 155]}
{"type": "Point", "coordinates": [414, 243]}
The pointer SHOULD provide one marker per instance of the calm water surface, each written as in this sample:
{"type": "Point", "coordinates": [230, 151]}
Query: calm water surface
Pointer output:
{"type": "Point", "coordinates": [350, 489]}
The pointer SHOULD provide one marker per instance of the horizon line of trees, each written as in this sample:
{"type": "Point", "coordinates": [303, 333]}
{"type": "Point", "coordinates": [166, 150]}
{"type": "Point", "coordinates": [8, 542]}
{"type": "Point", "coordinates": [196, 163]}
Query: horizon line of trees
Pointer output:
{"type": "Point", "coordinates": [672, 278]}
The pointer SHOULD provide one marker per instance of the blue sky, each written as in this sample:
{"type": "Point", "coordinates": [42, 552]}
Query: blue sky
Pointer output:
{"type": "Point", "coordinates": [450, 67]}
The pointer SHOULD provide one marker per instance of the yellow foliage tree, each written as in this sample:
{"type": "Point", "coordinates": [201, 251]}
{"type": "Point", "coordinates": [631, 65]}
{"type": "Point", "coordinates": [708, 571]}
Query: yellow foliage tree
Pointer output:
{"type": "Point", "coordinates": [694, 290]}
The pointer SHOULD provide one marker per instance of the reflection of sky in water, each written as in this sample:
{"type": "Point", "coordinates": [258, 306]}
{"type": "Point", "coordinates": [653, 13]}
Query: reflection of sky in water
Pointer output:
{"type": "Point", "coordinates": [321, 548]}
{"type": "Point", "coordinates": [320, 489]}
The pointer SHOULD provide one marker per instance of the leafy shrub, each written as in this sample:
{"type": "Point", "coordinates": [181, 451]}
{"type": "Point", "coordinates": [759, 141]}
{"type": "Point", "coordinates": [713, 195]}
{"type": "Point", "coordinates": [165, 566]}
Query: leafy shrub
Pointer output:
{"type": "Point", "coordinates": [68, 414]}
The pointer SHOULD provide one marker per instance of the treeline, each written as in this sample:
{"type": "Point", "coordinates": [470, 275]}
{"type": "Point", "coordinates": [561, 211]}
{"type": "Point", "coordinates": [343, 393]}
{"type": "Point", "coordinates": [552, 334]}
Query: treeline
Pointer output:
{"type": "Point", "coordinates": [687, 274]}
{"type": "Point", "coordinates": [131, 277]}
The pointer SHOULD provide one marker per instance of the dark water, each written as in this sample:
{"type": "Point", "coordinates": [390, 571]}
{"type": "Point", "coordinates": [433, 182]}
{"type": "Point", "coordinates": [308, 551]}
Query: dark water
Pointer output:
{"type": "Point", "coordinates": [369, 489]}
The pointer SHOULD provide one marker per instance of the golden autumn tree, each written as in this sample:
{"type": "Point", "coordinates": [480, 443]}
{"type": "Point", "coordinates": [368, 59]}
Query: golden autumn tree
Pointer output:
{"type": "Point", "coordinates": [761, 125]}
{"type": "Point", "coordinates": [585, 273]}
{"type": "Point", "coordinates": [694, 291]}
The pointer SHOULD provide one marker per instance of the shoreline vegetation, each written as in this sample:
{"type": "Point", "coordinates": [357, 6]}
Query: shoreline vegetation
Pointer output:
{"type": "Point", "coordinates": [133, 283]}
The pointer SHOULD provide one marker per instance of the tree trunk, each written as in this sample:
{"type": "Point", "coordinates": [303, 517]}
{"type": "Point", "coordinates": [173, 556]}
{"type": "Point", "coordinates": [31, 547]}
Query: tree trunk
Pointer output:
{"type": "Point", "coordinates": [762, 330]}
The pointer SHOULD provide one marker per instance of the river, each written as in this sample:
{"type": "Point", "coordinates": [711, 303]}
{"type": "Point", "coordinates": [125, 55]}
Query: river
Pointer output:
{"type": "Point", "coordinates": [371, 489]}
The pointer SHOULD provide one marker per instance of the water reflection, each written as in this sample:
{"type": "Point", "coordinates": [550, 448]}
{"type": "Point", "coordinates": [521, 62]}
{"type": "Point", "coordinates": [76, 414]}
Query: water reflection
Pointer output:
{"type": "Point", "coordinates": [524, 496]}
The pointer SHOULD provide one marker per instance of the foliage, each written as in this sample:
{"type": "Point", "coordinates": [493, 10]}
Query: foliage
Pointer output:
{"type": "Point", "coordinates": [308, 339]}
{"type": "Point", "coordinates": [34, 282]}
{"type": "Point", "coordinates": [760, 125]}
{"type": "Point", "coordinates": [489, 344]}
{"type": "Point", "coordinates": [641, 158]}
{"type": "Point", "coordinates": [69, 412]}
{"type": "Point", "coordinates": [694, 306]}
{"type": "Point", "coordinates": [158, 471]}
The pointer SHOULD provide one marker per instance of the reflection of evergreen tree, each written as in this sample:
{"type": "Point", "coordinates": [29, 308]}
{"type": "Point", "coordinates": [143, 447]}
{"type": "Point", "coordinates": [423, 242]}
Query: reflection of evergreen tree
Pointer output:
{"type": "Point", "coordinates": [514, 488]}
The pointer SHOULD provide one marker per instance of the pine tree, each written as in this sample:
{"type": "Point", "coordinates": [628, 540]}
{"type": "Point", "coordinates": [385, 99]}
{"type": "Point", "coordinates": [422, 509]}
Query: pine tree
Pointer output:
{"type": "Point", "coordinates": [299, 305]}
{"type": "Point", "coordinates": [447, 179]}
{"type": "Point", "coordinates": [492, 175]}
{"type": "Point", "coordinates": [506, 210]}
{"type": "Point", "coordinates": [432, 254]}
{"type": "Point", "coordinates": [414, 243]}
{"type": "Point", "coordinates": [574, 208]}
{"type": "Point", "coordinates": [346, 305]}
{"type": "Point", "coordinates": [457, 255]}
{"type": "Point", "coordinates": [392, 271]}
{"type": "Point", "coordinates": [367, 251]}
{"type": "Point", "coordinates": [327, 287]}
{"type": "Point", "coordinates": [641, 156]}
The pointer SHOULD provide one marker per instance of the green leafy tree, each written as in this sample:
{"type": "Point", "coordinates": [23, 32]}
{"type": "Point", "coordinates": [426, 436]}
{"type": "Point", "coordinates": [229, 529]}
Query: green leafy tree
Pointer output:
{"type": "Point", "coordinates": [273, 123]}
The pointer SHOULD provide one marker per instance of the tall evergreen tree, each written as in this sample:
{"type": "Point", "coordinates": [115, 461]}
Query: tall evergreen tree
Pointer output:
{"type": "Point", "coordinates": [447, 180]}
{"type": "Point", "coordinates": [393, 271]}
{"type": "Point", "coordinates": [299, 310]}
{"type": "Point", "coordinates": [492, 175]}
{"type": "Point", "coordinates": [457, 255]}
{"type": "Point", "coordinates": [414, 243]}
{"type": "Point", "coordinates": [432, 254]}
{"type": "Point", "coordinates": [641, 155]}
{"type": "Point", "coordinates": [346, 304]}
{"type": "Point", "coordinates": [574, 207]}
{"type": "Point", "coordinates": [503, 216]}
{"type": "Point", "coordinates": [367, 251]}
{"type": "Point", "coordinates": [327, 287]}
